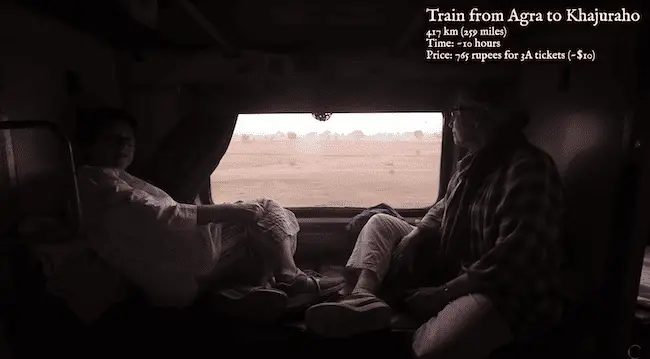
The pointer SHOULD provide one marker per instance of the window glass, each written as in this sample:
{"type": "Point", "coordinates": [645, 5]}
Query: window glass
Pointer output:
{"type": "Point", "coordinates": [351, 160]}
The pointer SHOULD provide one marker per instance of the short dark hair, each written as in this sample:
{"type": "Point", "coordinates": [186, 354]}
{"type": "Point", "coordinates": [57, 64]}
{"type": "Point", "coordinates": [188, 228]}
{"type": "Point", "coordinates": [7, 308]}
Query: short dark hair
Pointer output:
{"type": "Point", "coordinates": [91, 121]}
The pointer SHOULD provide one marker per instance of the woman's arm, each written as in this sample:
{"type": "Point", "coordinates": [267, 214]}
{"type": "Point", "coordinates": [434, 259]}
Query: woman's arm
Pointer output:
{"type": "Point", "coordinates": [227, 212]}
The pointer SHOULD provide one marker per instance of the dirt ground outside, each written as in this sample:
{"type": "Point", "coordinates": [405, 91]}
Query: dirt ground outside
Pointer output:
{"type": "Point", "coordinates": [334, 173]}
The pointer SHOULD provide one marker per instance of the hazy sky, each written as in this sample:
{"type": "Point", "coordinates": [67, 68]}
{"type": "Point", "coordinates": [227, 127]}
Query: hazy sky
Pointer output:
{"type": "Point", "coordinates": [369, 123]}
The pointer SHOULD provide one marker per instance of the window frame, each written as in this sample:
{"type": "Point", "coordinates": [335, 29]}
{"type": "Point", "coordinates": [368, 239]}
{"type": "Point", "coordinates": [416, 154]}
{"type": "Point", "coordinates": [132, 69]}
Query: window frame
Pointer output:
{"type": "Point", "coordinates": [448, 158]}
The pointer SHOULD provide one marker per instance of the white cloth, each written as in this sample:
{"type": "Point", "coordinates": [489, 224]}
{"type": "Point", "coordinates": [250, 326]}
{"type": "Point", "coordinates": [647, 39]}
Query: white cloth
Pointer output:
{"type": "Point", "coordinates": [140, 233]}
{"type": "Point", "coordinates": [148, 237]}
{"type": "Point", "coordinates": [135, 231]}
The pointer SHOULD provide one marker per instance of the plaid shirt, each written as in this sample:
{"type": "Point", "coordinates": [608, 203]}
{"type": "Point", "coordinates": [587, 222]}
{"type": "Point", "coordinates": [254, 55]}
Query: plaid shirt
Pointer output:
{"type": "Point", "coordinates": [514, 240]}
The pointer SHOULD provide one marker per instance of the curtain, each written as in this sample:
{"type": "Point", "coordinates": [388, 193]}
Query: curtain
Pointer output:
{"type": "Point", "coordinates": [192, 149]}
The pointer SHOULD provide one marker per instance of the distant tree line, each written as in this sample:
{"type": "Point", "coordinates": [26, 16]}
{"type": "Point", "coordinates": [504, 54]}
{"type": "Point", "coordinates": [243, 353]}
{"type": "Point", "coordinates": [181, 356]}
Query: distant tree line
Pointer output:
{"type": "Point", "coordinates": [356, 135]}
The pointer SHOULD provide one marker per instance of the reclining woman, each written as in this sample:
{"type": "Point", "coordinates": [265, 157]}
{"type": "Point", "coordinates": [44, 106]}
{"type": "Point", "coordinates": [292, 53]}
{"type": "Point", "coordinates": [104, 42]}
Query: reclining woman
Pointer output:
{"type": "Point", "coordinates": [172, 252]}
{"type": "Point", "coordinates": [485, 258]}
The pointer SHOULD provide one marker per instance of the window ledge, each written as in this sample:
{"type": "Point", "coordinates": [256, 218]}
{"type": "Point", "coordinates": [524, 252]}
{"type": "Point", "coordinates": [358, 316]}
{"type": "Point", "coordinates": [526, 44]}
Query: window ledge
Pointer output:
{"type": "Point", "coordinates": [321, 213]}
{"type": "Point", "coordinates": [341, 220]}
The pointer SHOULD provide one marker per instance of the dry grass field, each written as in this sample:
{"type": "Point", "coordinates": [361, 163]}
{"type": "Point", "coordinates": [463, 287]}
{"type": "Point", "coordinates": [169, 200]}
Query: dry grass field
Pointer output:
{"type": "Point", "coordinates": [338, 173]}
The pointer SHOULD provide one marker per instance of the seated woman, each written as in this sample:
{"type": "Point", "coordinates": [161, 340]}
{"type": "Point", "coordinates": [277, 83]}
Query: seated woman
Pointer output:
{"type": "Point", "coordinates": [490, 270]}
{"type": "Point", "coordinates": [171, 252]}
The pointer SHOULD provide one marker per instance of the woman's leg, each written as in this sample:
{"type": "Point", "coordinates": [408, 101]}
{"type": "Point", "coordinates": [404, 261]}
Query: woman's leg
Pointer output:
{"type": "Point", "coordinates": [251, 257]}
{"type": "Point", "coordinates": [239, 285]}
{"type": "Point", "coordinates": [303, 288]}
{"type": "Point", "coordinates": [287, 269]}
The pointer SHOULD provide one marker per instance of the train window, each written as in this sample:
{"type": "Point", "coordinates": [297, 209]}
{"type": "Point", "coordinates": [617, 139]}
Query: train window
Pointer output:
{"type": "Point", "coordinates": [350, 160]}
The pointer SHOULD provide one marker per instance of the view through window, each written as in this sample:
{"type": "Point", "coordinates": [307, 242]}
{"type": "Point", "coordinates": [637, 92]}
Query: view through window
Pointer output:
{"type": "Point", "coordinates": [351, 160]}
